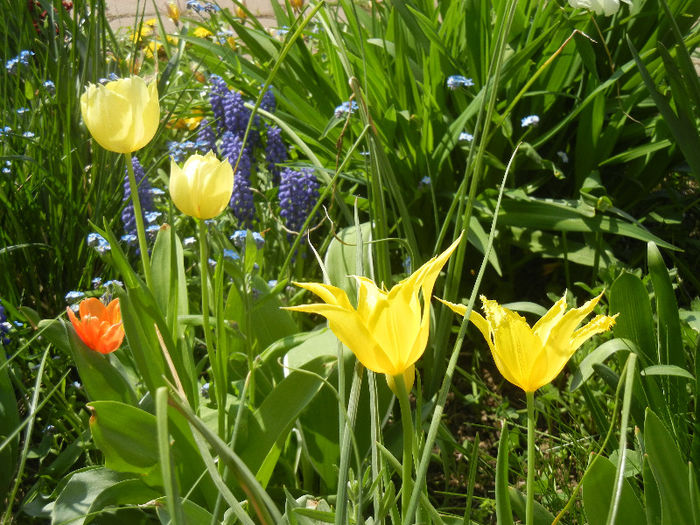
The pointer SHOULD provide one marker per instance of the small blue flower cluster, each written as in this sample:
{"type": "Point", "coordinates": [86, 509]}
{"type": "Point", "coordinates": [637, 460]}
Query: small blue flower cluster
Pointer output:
{"type": "Point", "coordinates": [110, 78]}
{"type": "Point", "coordinates": [458, 81]}
{"type": "Point", "coordinates": [530, 120]}
{"type": "Point", "coordinates": [178, 151]}
{"type": "Point", "coordinates": [238, 238]}
{"type": "Point", "coordinates": [344, 109]}
{"type": "Point", "coordinates": [223, 35]}
{"type": "Point", "coordinates": [7, 168]}
{"type": "Point", "coordinates": [50, 87]}
{"type": "Point", "coordinates": [297, 194]}
{"type": "Point", "coordinates": [95, 240]}
{"type": "Point", "coordinates": [198, 7]}
{"type": "Point", "coordinates": [465, 137]}
{"type": "Point", "coordinates": [74, 296]}
{"type": "Point", "coordinates": [4, 131]}
{"type": "Point", "coordinates": [146, 200]}
{"type": "Point", "coordinates": [13, 64]}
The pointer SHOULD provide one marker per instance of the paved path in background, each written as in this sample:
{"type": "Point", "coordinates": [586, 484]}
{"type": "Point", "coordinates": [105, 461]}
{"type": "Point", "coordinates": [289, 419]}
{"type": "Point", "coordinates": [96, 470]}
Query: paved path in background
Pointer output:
{"type": "Point", "coordinates": [122, 13]}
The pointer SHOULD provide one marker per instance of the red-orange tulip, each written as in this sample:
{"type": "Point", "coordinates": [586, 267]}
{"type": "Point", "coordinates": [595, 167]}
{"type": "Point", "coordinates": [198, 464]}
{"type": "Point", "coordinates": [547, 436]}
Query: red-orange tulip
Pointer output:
{"type": "Point", "coordinates": [100, 327]}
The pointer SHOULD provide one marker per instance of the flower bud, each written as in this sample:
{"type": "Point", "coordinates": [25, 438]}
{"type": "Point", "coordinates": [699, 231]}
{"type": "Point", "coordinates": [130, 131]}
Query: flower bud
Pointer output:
{"type": "Point", "coordinates": [122, 115]}
{"type": "Point", "coordinates": [202, 187]}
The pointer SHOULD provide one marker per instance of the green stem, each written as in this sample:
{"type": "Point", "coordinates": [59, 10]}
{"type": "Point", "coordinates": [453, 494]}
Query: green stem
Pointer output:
{"type": "Point", "coordinates": [138, 215]}
{"type": "Point", "coordinates": [345, 443]}
{"type": "Point", "coordinates": [203, 264]}
{"type": "Point", "coordinates": [530, 501]}
{"type": "Point", "coordinates": [407, 464]}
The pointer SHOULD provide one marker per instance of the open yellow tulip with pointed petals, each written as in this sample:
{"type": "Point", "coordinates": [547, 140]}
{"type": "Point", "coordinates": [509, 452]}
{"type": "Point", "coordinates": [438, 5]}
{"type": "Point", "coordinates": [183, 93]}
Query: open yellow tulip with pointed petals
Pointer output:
{"type": "Point", "coordinates": [388, 332]}
{"type": "Point", "coordinates": [122, 115]}
{"type": "Point", "coordinates": [202, 188]}
{"type": "Point", "coordinates": [531, 357]}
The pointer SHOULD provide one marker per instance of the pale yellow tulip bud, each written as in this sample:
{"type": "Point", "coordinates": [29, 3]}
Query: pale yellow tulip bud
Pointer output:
{"type": "Point", "coordinates": [122, 115]}
{"type": "Point", "coordinates": [202, 188]}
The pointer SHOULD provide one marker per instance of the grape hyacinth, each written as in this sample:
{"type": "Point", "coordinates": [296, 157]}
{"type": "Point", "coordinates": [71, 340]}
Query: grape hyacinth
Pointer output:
{"type": "Point", "coordinates": [242, 197]}
{"type": "Point", "coordinates": [218, 91]}
{"type": "Point", "coordinates": [268, 102]}
{"type": "Point", "coordinates": [206, 138]}
{"type": "Point", "coordinates": [235, 113]}
{"type": "Point", "coordinates": [297, 194]}
{"type": "Point", "coordinates": [145, 196]}
{"type": "Point", "coordinates": [275, 152]}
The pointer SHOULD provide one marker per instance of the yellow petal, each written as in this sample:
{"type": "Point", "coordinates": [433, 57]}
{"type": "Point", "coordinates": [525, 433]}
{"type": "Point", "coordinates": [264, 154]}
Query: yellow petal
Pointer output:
{"type": "Point", "coordinates": [543, 327]}
{"type": "Point", "coordinates": [328, 293]}
{"type": "Point", "coordinates": [599, 324]}
{"type": "Point", "coordinates": [180, 191]}
{"type": "Point", "coordinates": [560, 334]}
{"type": "Point", "coordinates": [352, 332]}
{"type": "Point", "coordinates": [515, 346]}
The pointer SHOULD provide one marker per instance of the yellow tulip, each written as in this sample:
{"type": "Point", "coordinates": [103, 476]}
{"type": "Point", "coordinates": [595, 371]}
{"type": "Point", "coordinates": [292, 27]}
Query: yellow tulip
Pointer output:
{"type": "Point", "coordinates": [388, 332]}
{"type": "Point", "coordinates": [532, 357]}
{"type": "Point", "coordinates": [173, 12]}
{"type": "Point", "coordinates": [202, 188]}
{"type": "Point", "coordinates": [122, 115]}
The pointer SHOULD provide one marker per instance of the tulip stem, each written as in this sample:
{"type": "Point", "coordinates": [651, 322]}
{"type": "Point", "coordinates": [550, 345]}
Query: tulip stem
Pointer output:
{"type": "Point", "coordinates": [138, 216]}
{"type": "Point", "coordinates": [407, 463]}
{"type": "Point", "coordinates": [530, 501]}
{"type": "Point", "coordinates": [203, 263]}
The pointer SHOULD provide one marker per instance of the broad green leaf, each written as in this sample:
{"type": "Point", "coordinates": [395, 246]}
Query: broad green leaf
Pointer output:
{"type": "Point", "coordinates": [82, 490]}
{"type": "Point", "coordinates": [598, 356]}
{"type": "Point", "coordinates": [667, 370]}
{"type": "Point", "coordinates": [168, 274]}
{"type": "Point", "coordinates": [629, 298]}
{"type": "Point", "coordinates": [652, 498]}
{"type": "Point", "coordinates": [598, 487]}
{"type": "Point", "coordinates": [341, 258]}
{"type": "Point", "coordinates": [193, 512]}
{"type": "Point", "coordinates": [518, 501]}
{"type": "Point", "coordinates": [669, 468]}
{"type": "Point", "coordinates": [126, 435]}
{"type": "Point", "coordinates": [671, 351]}
{"type": "Point", "coordinates": [260, 500]}
{"type": "Point", "coordinates": [523, 211]}
{"type": "Point", "coordinates": [269, 425]}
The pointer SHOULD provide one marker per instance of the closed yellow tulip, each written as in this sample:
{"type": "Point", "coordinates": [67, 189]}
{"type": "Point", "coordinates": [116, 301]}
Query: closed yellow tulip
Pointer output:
{"type": "Point", "coordinates": [122, 115]}
{"type": "Point", "coordinates": [388, 332]}
{"type": "Point", "coordinates": [531, 357]}
{"type": "Point", "coordinates": [202, 188]}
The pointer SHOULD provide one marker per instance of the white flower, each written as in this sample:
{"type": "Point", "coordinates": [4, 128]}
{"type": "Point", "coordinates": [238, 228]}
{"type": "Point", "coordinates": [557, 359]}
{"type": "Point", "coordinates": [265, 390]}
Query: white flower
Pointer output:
{"type": "Point", "coordinates": [600, 7]}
